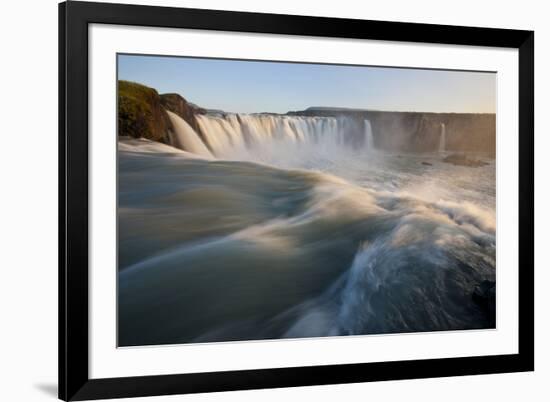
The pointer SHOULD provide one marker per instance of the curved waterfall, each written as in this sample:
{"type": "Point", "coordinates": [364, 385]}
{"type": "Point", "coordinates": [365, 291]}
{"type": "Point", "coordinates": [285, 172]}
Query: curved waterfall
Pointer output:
{"type": "Point", "coordinates": [244, 136]}
{"type": "Point", "coordinates": [289, 226]}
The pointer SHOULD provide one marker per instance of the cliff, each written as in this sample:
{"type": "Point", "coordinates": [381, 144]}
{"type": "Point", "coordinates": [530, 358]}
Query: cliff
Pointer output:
{"type": "Point", "coordinates": [421, 131]}
{"type": "Point", "coordinates": [179, 105]}
{"type": "Point", "coordinates": [140, 113]}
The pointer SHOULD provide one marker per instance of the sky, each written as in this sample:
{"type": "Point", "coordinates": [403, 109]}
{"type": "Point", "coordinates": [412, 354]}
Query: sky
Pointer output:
{"type": "Point", "coordinates": [261, 86]}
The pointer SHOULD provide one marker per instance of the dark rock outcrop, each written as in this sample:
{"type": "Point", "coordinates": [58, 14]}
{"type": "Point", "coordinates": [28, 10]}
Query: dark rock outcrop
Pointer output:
{"type": "Point", "coordinates": [463, 160]}
{"type": "Point", "coordinates": [140, 113]}
{"type": "Point", "coordinates": [178, 104]}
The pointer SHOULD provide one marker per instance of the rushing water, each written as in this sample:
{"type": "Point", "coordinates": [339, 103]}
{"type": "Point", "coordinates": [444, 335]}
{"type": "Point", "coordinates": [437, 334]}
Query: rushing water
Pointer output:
{"type": "Point", "coordinates": [295, 231]}
{"type": "Point", "coordinates": [442, 139]}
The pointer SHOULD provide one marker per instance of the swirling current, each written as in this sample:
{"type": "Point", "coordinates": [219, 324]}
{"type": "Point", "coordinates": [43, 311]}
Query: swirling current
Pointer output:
{"type": "Point", "coordinates": [298, 240]}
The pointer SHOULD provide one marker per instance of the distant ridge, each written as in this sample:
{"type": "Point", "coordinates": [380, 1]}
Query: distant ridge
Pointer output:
{"type": "Point", "coordinates": [336, 109]}
{"type": "Point", "coordinates": [324, 109]}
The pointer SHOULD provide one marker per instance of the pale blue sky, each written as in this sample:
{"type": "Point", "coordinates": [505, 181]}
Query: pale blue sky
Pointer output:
{"type": "Point", "coordinates": [251, 86]}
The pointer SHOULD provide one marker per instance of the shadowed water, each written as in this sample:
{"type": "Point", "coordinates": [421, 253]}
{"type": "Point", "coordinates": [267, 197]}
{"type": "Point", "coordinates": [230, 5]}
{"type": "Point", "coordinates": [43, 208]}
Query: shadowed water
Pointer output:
{"type": "Point", "coordinates": [297, 242]}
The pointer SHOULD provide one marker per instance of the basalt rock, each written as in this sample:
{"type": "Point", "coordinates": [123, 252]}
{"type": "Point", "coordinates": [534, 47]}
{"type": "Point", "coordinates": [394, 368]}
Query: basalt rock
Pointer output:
{"type": "Point", "coordinates": [421, 131]}
{"type": "Point", "coordinates": [140, 113]}
{"type": "Point", "coordinates": [186, 110]}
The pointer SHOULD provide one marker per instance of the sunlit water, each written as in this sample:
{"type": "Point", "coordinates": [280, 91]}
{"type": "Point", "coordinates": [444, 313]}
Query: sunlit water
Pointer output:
{"type": "Point", "coordinates": [298, 239]}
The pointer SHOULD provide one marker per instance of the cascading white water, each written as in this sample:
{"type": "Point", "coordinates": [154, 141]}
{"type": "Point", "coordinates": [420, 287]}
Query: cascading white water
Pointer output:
{"type": "Point", "coordinates": [260, 137]}
{"type": "Point", "coordinates": [232, 132]}
{"type": "Point", "coordinates": [184, 137]}
{"type": "Point", "coordinates": [369, 141]}
{"type": "Point", "coordinates": [442, 138]}
{"type": "Point", "coordinates": [273, 139]}
{"type": "Point", "coordinates": [377, 235]}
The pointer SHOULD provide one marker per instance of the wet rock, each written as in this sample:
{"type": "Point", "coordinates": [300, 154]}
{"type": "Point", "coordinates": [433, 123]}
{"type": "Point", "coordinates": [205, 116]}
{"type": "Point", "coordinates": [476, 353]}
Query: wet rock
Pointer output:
{"type": "Point", "coordinates": [421, 131]}
{"type": "Point", "coordinates": [186, 110]}
{"type": "Point", "coordinates": [463, 160]}
{"type": "Point", "coordinates": [484, 296]}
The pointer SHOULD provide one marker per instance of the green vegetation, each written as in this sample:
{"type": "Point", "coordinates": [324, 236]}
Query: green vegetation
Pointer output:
{"type": "Point", "coordinates": [140, 113]}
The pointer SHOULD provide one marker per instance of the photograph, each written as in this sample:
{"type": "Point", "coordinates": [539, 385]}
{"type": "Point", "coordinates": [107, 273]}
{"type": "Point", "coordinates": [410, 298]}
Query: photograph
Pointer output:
{"type": "Point", "coordinates": [274, 200]}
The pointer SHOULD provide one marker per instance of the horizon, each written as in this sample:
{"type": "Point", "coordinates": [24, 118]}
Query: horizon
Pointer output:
{"type": "Point", "coordinates": [276, 87]}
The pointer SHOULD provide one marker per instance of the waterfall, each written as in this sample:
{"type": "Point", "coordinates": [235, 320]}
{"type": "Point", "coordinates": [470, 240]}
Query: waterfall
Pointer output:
{"type": "Point", "coordinates": [184, 137]}
{"type": "Point", "coordinates": [369, 141]}
{"type": "Point", "coordinates": [272, 138]}
{"type": "Point", "coordinates": [233, 135]}
{"type": "Point", "coordinates": [233, 131]}
{"type": "Point", "coordinates": [442, 138]}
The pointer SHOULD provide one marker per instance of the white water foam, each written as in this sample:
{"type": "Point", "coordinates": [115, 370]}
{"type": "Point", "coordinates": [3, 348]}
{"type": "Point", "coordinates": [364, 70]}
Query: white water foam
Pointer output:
{"type": "Point", "coordinates": [184, 137]}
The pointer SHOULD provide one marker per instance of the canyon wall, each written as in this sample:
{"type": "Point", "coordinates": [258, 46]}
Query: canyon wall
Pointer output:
{"type": "Point", "coordinates": [421, 131]}
{"type": "Point", "coordinates": [142, 112]}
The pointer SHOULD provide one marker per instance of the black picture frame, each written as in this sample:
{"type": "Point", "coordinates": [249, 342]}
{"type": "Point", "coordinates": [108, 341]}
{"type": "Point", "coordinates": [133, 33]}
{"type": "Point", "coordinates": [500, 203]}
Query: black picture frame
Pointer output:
{"type": "Point", "coordinates": [74, 18]}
